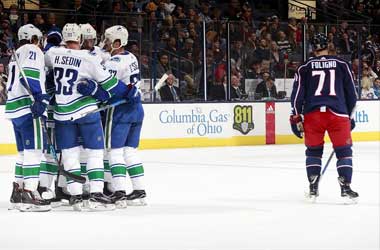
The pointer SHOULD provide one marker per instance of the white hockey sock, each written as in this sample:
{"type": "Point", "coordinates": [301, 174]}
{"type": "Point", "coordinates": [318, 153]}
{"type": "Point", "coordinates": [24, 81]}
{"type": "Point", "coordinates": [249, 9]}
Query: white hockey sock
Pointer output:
{"type": "Point", "coordinates": [95, 170]}
{"type": "Point", "coordinates": [71, 162]}
{"type": "Point", "coordinates": [31, 168]}
{"type": "Point", "coordinates": [134, 167]}
{"type": "Point", "coordinates": [118, 169]}
{"type": "Point", "coordinates": [19, 178]}
{"type": "Point", "coordinates": [48, 170]}
{"type": "Point", "coordinates": [107, 169]}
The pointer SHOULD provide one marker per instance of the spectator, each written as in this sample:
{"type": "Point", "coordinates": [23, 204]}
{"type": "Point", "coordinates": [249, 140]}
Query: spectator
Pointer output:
{"type": "Point", "coordinates": [205, 11]}
{"type": "Point", "coordinates": [3, 84]}
{"type": "Point", "coordinates": [266, 88]}
{"type": "Point", "coordinates": [262, 52]}
{"type": "Point", "coordinates": [276, 60]}
{"type": "Point", "coordinates": [144, 66]}
{"type": "Point", "coordinates": [163, 65]}
{"type": "Point", "coordinates": [346, 44]}
{"type": "Point", "coordinates": [367, 90]}
{"type": "Point", "coordinates": [377, 68]}
{"type": "Point", "coordinates": [254, 72]}
{"type": "Point", "coordinates": [169, 92]}
{"type": "Point", "coordinates": [4, 45]}
{"type": "Point", "coordinates": [376, 88]}
{"type": "Point", "coordinates": [218, 89]}
{"type": "Point", "coordinates": [236, 91]}
{"type": "Point", "coordinates": [283, 43]}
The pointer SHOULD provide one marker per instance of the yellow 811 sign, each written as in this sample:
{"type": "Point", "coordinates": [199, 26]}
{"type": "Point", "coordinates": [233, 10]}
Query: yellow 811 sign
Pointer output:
{"type": "Point", "coordinates": [243, 119]}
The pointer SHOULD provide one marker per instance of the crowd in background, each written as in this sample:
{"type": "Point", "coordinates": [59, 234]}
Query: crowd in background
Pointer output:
{"type": "Point", "coordinates": [168, 34]}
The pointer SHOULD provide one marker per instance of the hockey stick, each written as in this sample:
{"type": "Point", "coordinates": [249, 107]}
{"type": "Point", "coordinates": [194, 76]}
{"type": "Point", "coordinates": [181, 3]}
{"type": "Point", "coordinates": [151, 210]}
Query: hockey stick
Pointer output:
{"type": "Point", "coordinates": [326, 165]}
{"type": "Point", "coordinates": [61, 169]}
{"type": "Point", "coordinates": [159, 84]}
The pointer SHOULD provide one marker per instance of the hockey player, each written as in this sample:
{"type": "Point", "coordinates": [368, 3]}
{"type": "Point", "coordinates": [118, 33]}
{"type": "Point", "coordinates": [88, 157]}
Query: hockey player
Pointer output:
{"type": "Point", "coordinates": [24, 111]}
{"type": "Point", "coordinates": [324, 93]}
{"type": "Point", "coordinates": [72, 66]}
{"type": "Point", "coordinates": [123, 123]}
{"type": "Point", "coordinates": [89, 41]}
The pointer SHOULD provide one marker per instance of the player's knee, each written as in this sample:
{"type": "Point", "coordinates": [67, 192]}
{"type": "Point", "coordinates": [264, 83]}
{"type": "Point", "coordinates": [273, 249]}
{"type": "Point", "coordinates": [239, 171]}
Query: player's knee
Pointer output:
{"type": "Point", "coordinates": [32, 156]}
{"type": "Point", "coordinates": [314, 152]}
{"type": "Point", "coordinates": [95, 154]}
{"type": "Point", "coordinates": [131, 156]}
{"type": "Point", "coordinates": [71, 157]}
{"type": "Point", "coordinates": [343, 152]}
{"type": "Point", "coordinates": [115, 155]}
{"type": "Point", "coordinates": [20, 157]}
{"type": "Point", "coordinates": [130, 151]}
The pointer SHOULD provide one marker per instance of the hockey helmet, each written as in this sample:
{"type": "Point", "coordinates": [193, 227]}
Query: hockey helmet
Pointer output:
{"type": "Point", "coordinates": [71, 32]}
{"type": "Point", "coordinates": [26, 32]}
{"type": "Point", "coordinates": [116, 32]}
{"type": "Point", "coordinates": [319, 42]}
{"type": "Point", "coordinates": [88, 32]}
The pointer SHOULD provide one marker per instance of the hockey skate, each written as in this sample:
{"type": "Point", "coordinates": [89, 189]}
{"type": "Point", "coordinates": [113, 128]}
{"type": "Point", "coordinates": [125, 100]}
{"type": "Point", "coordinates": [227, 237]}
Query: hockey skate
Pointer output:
{"type": "Point", "coordinates": [313, 188]}
{"type": "Point", "coordinates": [136, 198]}
{"type": "Point", "coordinates": [76, 202]}
{"type": "Point", "coordinates": [100, 202]}
{"type": "Point", "coordinates": [347, 194]}
{"type": "Point", "coordinates": [119, 198]}
{"type": "Point", "coordinates": [61, 198]}
{"type": "Point", "coordinates": [15, 197]}
{"type": "Point", "coordinates": [32, 202]}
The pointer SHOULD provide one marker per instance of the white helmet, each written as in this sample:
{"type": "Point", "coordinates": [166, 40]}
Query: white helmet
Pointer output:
{"type": "Point", "coordinates": [88, 32]}
{"type": "Point", "coordinates": [71, 32]}
{"type": "Point", "coordinates": [26, 32]}
{"type": "Point", "coordinates": [117, 32]}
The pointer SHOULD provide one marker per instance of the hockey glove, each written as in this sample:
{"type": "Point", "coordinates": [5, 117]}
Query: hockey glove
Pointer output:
{"type": "Point", "coordinates": [39, 105]}
{"type": "Point", "coordinates": [133, 95]}
{"type": "Point", "coordinates": [297, 125]}
{"type": "Point", "coordinates": [352, 124]}
{"type": "Point", "coordinates": [91, 88]}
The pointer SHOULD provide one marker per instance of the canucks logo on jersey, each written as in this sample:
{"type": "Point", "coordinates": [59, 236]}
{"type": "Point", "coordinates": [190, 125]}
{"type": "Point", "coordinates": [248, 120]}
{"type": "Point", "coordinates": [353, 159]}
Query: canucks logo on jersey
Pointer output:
{"type": "Point", "coordinates": [243, 119]}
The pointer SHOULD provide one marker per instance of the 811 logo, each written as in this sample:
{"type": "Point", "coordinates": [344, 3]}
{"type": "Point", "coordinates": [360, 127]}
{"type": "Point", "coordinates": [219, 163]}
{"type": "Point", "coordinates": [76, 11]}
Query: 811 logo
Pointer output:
{"type": "Point", "coordinates": [243, 119]}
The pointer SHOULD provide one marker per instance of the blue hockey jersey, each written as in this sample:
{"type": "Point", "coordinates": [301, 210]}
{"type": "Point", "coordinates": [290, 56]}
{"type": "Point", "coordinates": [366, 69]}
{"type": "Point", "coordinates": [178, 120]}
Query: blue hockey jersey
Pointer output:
{"type": "Point", "coordinates": [324, 81]}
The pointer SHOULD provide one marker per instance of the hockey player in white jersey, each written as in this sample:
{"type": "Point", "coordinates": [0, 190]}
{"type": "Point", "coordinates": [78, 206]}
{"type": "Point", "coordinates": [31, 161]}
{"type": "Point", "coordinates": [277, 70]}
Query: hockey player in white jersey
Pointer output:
{"type": "Point", "coordinates": [72, 66]}
{"type": "Point", "coordinates": [24, 112]}
{"type": "Point", "coordinates": [123, 123]}
{"type": "Point", "coordinates": [89, 41]}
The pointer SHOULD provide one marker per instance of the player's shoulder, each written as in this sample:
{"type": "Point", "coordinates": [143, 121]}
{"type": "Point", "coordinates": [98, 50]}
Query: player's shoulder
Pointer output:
{"type": "Point", "coordinates": [29, 47]}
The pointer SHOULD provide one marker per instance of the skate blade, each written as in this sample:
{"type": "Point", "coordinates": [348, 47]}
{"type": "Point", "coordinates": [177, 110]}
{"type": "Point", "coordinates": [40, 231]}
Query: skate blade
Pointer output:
{"type": "Point", "coordinates": [56, 204]}
{"type": "Point", "coordinates": [137, 202]}
{"type": "Point", "coordinates": [121, 204]}
{"type": "Point", "coordinates": [349, 201]}
{"type": "Point", "coordinates": [310, 198]}
{"type": "Point", "coordinates": [15, 207]}
{"type": "Point", "coordinates": [97, 206]}
{"type": "Point", "coordinates": [79, 207]}
{"type": "Point", "coordinates": [34, 208]}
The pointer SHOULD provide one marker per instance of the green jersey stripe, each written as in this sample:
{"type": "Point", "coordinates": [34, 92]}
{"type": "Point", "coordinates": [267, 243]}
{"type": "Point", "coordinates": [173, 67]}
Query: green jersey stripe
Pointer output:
{"type": "Point", "coordinates": [17, 104]}
{"type": "Point", "coordinates": [32, 73]}
{"type": "Point", "coordinates": [109, 84]}
{"type": "Point", "coordinates": [81, 103]}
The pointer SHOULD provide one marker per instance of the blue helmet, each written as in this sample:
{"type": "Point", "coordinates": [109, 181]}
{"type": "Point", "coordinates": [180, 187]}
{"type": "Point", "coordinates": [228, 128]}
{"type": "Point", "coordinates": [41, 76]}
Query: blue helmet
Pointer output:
{"type": "Point", "coordinates": [319, 42]}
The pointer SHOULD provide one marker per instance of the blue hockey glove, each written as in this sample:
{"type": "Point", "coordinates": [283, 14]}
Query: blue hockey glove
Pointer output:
{"type": "Point", "coordinates": [352, 124]}
{"type": "Point", "coordinates": [296, 124]}
{"type": "Point", "coordinates": [91, 88]}
{"type": "Point", "coordinates": [87, 88]}
{"type": "Point", "coordinates": [133, 95]}
{"type": "Point", "coordinates": [39, 105]}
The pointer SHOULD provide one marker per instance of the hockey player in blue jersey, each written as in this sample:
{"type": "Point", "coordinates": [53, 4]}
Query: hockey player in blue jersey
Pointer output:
{"type": "Point", "coordinates": [123, 123]}
{"type": "Point", "coordinates": [324, 93]}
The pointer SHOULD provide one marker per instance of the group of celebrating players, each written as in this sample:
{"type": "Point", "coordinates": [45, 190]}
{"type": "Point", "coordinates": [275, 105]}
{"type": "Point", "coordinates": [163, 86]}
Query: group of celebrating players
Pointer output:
{"type": "Point", "coordinates": [69, 77]}
{"type": "Point", "coordinates": [65, 81]}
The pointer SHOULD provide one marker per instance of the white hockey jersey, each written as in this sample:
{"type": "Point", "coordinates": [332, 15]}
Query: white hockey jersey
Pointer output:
{"type": "Point", "coordinates": [31, 60]}
{"type": "Point", "coordinates": [71, 67]}
{"type": "Point", "coordinates": [125, 67]}
{"type": "Point", "coordinates": [102, 53]}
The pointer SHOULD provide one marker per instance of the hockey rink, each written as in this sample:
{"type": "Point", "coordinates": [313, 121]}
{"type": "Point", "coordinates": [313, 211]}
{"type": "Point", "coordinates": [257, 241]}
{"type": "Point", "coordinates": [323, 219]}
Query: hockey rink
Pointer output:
{"type": "Point", "coordinates": [232, 198]}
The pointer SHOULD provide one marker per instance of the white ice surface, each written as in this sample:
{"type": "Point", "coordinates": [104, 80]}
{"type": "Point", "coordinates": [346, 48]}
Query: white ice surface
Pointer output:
{"type": "Point", "coordinates": [231, 198]}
